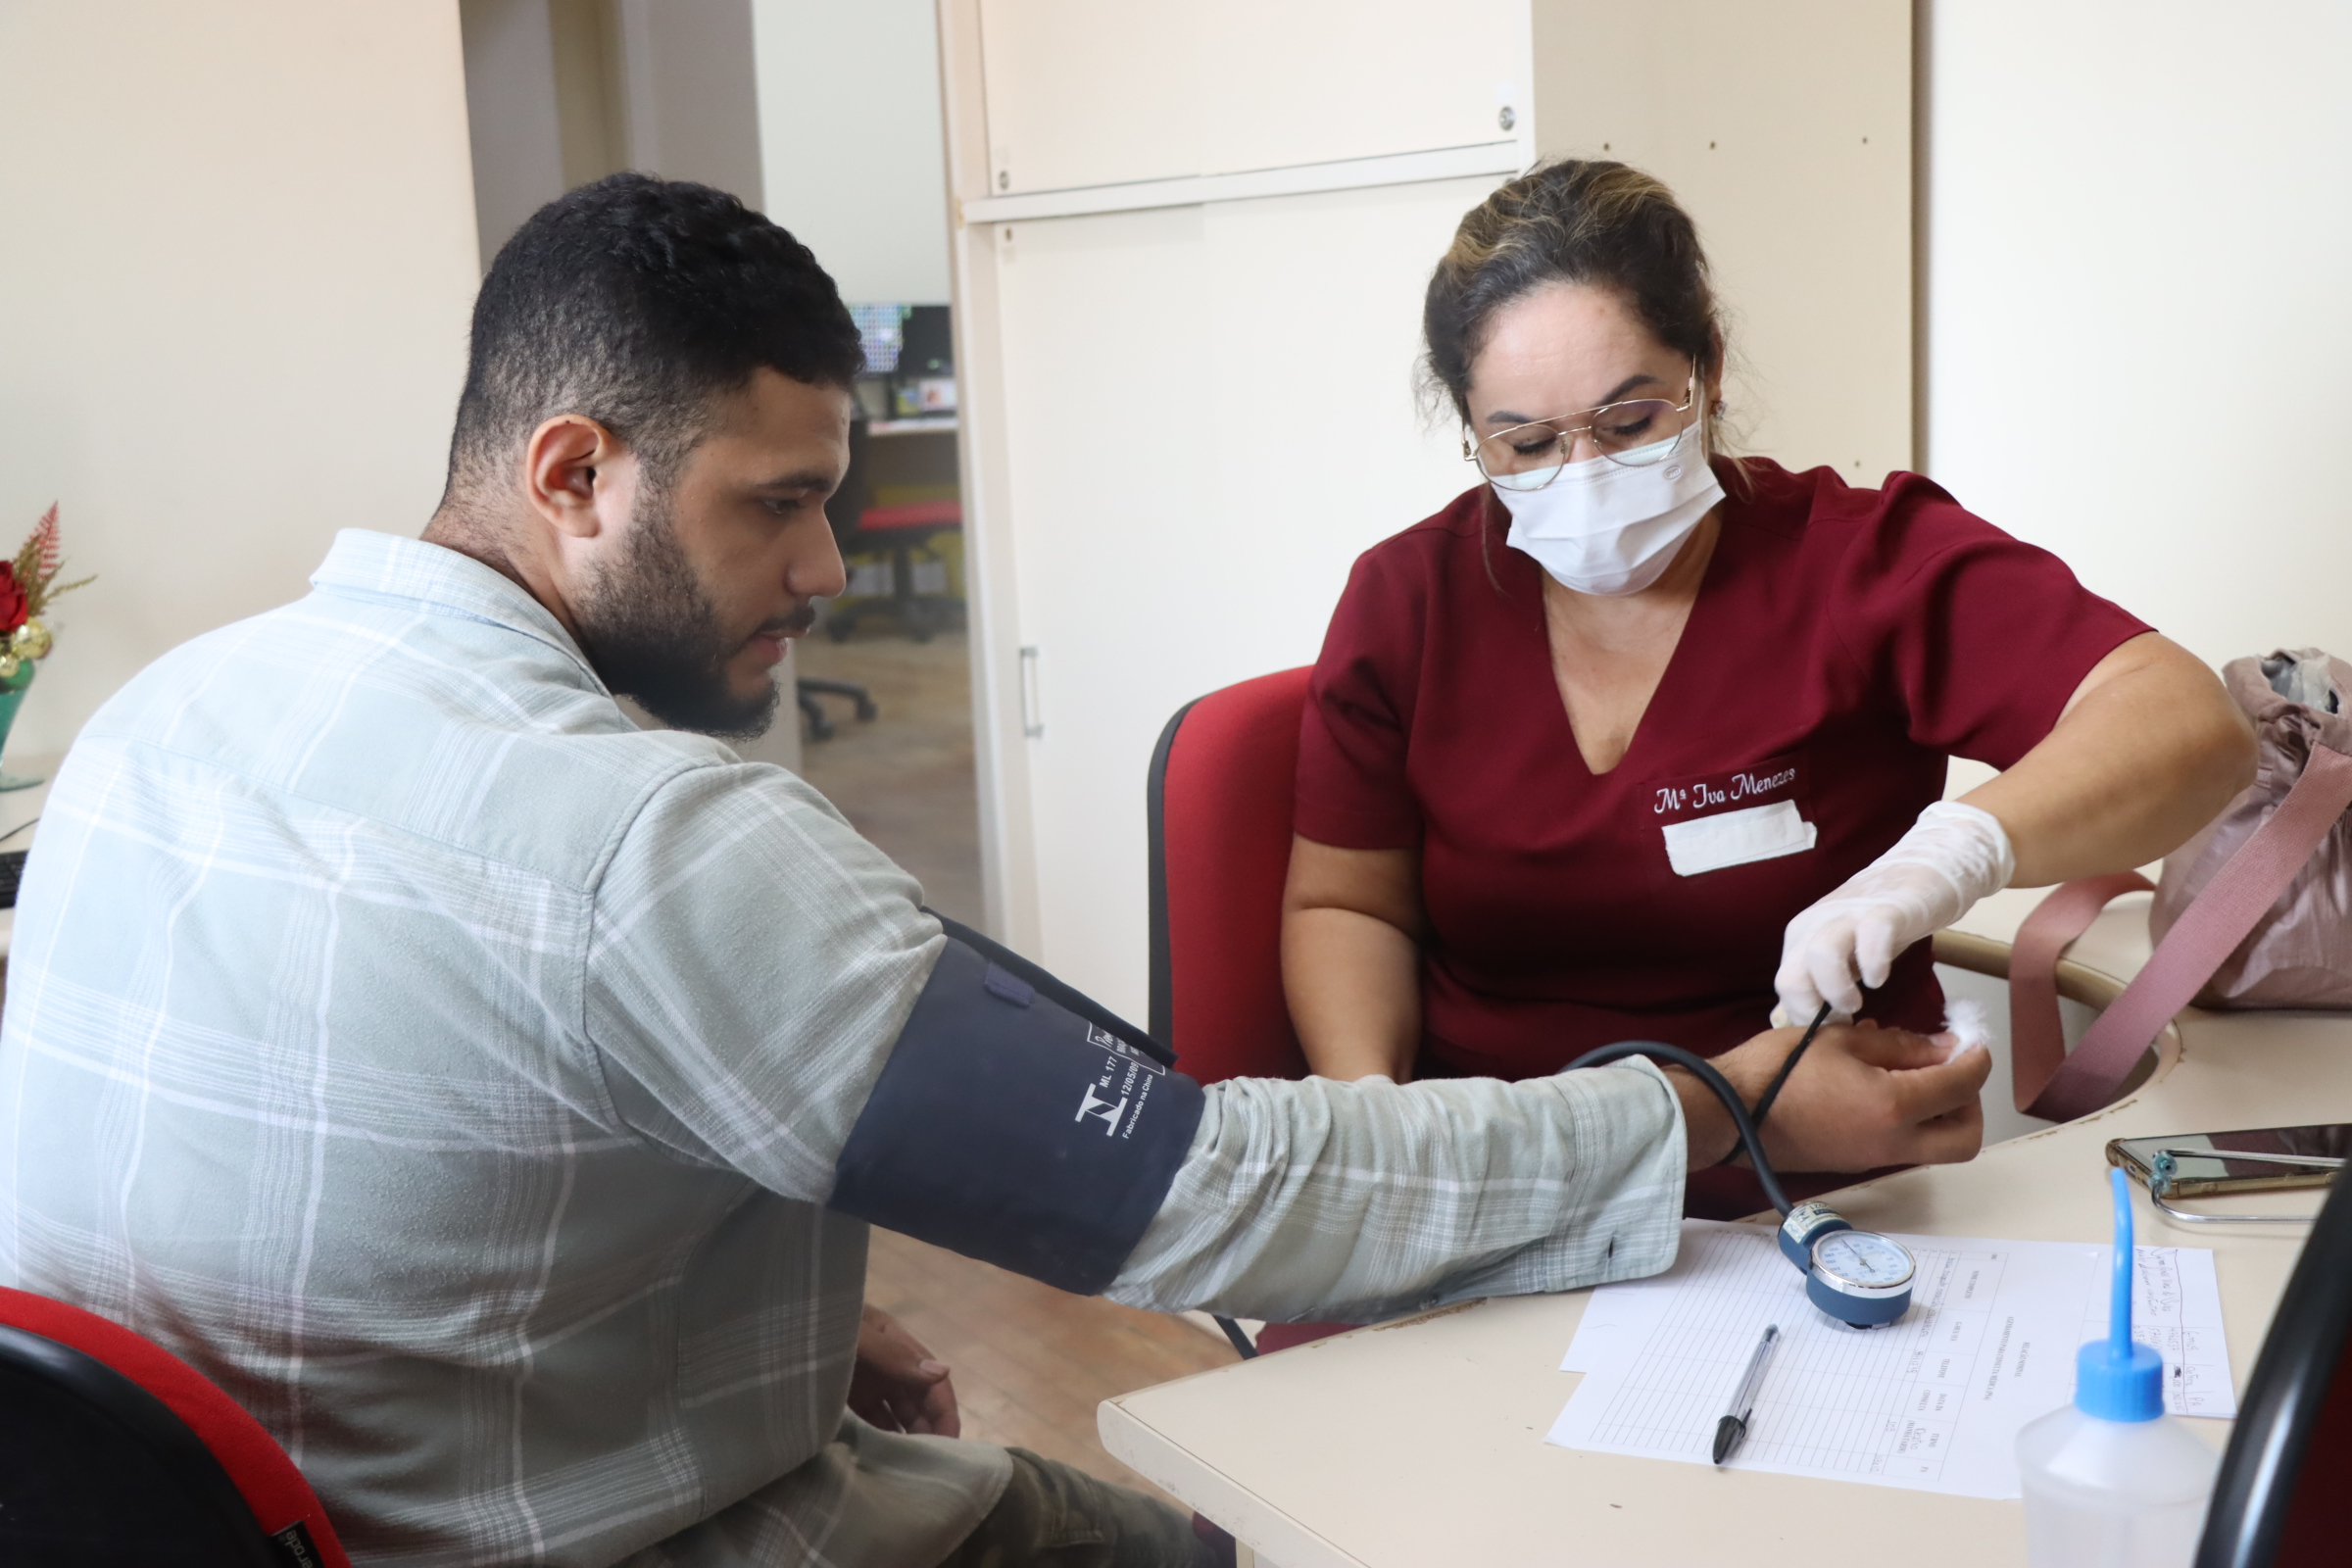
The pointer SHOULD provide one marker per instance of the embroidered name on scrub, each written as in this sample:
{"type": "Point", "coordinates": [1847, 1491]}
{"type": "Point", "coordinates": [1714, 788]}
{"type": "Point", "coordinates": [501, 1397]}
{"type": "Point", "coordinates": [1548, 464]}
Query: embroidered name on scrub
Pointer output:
{"type": "Point", "coordinates": [1734, 818]}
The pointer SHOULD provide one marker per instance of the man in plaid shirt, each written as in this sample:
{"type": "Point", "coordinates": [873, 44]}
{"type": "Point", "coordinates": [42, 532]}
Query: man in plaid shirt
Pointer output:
{"type": "Point", "coordinates": [493, 1097]}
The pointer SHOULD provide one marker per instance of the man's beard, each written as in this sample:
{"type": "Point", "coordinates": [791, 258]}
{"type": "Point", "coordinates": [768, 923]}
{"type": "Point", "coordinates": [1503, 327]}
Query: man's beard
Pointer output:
{"type": "Point", "coordinates": [652, 633]}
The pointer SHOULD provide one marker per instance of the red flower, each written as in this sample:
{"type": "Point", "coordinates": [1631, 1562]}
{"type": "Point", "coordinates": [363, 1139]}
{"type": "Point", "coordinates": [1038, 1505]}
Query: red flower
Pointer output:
{"type": "Point", "coordinates": [12, 598]}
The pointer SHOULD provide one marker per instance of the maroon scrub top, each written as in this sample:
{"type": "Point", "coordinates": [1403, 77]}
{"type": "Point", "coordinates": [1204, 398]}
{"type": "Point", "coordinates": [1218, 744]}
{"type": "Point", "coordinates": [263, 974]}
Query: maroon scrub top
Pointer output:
{"type": "Point", "coordinates": [1843, 643]}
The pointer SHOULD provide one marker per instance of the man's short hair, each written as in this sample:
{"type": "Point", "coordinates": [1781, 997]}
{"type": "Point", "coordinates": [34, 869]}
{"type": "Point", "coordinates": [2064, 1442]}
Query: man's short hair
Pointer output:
{"type": "Point", "coordinates": [635, 301]}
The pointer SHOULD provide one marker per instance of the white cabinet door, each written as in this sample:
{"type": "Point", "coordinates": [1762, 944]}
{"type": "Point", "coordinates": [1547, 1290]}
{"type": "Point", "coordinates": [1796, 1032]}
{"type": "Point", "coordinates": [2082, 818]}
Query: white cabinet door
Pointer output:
{"type": "Point", "coordinates": [1209, 412]}
{"type": "Point", "coordinates": [1080, 93]}
{"type": "Point", "coordinates": [1310, 81]}
{"type": "Point", "coordinates": [1107, 382]}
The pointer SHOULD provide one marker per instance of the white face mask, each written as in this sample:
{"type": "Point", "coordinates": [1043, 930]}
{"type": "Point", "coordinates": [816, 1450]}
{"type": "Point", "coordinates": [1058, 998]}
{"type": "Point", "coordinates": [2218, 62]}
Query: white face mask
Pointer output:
{"type": "Point", "coordinates": [1604, 528]}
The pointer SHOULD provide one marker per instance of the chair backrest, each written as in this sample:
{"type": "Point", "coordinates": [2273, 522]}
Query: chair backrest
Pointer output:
{"type": "Point", "coordinates": [927, 516]}
{"type": "Point", "coordinates": [115, 1450]}
{"type": "Point", "coordinates": [2280, 1501]}
{"type": "Point", "coordinates": [1219, 806]}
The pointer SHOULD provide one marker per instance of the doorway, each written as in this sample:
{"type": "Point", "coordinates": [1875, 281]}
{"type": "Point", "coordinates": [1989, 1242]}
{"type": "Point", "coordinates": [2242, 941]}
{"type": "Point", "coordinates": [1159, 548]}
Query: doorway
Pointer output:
{"type": "Point", "coordinates": [885, 685]}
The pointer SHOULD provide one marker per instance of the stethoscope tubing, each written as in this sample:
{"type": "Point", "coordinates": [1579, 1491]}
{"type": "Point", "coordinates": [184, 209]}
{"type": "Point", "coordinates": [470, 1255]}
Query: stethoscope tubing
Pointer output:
{"type": "Point", "coordinates": [1699, 1067]}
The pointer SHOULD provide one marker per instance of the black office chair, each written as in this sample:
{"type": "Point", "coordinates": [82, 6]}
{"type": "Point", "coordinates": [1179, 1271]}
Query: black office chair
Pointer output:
{"type": "Point", "coordinates": [100, 1472]}
{"type": "Point", "coordinates": [898, 532]}
{"type": "Point", "coordinates": [846, 503]}
{"type": "Point", "coordinates": [2283, 1498]}
{"type": "Point", "coordinates": [806, 688]}
{"type": "Point", "coordinates": [115, 1454]}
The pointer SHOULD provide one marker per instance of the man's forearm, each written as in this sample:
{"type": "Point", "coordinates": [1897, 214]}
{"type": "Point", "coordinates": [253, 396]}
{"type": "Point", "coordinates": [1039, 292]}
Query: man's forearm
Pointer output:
{"type": "Point", "coordinates": [1707, 1129]}
{"type": "Point", "coordinates": [1314, 1198]}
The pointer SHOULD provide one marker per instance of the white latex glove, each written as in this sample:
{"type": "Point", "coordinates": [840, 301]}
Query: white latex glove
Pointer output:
{"type": "Point", "coordinates": [1953, 855]}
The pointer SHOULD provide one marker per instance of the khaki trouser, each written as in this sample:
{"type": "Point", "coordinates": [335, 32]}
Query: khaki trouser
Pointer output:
{"type": "Point", "coordinates": [1053, 1516]}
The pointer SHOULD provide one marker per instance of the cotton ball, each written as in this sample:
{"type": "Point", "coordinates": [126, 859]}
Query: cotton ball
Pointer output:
{"type": "Point", "coordinates": [1967, 1022]}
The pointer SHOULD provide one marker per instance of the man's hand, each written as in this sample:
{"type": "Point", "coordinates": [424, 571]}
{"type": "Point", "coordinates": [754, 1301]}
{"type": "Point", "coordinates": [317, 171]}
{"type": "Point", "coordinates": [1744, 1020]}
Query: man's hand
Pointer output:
{"type": "Point", "coordinates": [1862, 1098]}
{"type": "Point", "coordinates": [897, 1386]}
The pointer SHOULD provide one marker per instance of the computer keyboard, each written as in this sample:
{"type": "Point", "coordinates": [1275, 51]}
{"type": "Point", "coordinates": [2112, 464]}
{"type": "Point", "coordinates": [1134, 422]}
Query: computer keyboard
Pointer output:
{"type": "Point", "coordinates": [12, 871]}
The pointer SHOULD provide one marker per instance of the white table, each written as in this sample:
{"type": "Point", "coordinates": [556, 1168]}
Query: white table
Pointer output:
{"type": "Point", "coordinates": [1419, 1443]}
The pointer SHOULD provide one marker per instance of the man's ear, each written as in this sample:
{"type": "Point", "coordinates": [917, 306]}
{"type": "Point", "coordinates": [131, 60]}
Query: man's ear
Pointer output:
{"type": "Point", "coordinates": [561, 467]}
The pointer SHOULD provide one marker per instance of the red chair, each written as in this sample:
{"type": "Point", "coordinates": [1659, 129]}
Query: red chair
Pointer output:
{"type": "Point", "coordinates": [115, 1451]}
{"type": "Point", "coordinates": [1219, 807]}
{"type": "Point", "coordinates": [900, 531]}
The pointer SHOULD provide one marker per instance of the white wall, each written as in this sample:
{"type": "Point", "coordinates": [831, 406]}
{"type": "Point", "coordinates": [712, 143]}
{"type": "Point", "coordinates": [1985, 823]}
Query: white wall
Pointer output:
{"type": "Point", "coordinates": [2139, 216]}
{"type": "Point", "coordinates": [1754, 114]}
{"type": "Point", "coordinates": [510, 104]}
{"type": "Point", "coordinates": [563, 92]}
{"type": "Point", "coordinates": [850, 141]}
{"type": "Point", "coordinates": [692, 107]}
{"type": "Point", "coordinates": [234, 297]}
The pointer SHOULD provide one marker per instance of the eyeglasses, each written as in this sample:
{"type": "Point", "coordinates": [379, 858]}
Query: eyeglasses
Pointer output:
{"type": "Point", "coordinates": [1633, 435]}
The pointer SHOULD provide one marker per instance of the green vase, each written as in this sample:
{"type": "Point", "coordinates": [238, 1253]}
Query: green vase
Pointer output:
{"type": "Point", "coordinates": [12, 698]}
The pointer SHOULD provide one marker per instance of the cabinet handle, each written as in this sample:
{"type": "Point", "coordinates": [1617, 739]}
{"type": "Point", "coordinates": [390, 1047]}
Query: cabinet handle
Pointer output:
{"type": "Point", "coordinates": [1033, 712]}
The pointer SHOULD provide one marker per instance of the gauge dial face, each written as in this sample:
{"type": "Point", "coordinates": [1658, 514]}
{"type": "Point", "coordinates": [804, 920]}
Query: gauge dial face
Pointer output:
{"type": "Point", "coordinates": [1861, 1258]}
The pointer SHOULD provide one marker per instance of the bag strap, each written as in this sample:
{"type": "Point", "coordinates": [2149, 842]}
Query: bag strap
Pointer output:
{"type": "Point", "coordinates": [2037, 1036]}
{"type": "Point", "coordinates": [2200, 940]}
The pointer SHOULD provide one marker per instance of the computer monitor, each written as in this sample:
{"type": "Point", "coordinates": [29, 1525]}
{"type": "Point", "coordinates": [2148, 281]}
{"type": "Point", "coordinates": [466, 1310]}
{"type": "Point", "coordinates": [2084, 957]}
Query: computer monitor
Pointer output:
{"type": "Point", "coordinates": [2282, 1499]}
{"type": "Point", "coordinates": [882, 328]}
{"type": "Point", "coordinates": [905, 339]}
{"type": "Point", "coordinates": [929, 343]}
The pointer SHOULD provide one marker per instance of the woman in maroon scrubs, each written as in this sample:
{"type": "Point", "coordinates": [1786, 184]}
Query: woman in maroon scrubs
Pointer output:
{"type": "Point", "coordinates": [1633, 729]}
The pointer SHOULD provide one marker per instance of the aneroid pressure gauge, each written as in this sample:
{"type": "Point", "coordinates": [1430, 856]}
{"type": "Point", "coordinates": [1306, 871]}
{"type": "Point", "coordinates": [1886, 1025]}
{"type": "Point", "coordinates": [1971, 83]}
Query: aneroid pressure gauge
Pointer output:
{"type": "Point", "coordinates": [1860, 1278]}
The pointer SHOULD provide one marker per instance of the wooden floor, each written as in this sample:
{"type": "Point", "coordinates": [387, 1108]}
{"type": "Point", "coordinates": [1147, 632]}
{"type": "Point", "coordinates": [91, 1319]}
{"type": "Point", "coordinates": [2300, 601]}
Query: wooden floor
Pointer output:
{"type": "Point", "coordinates": [1030, 1362]}
{"type": "Point", "coordinates": [905, 779]}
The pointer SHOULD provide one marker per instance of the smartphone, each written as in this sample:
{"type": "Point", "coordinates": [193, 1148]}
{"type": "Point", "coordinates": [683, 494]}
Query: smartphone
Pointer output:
{"type": "Point", "coordinates": [2211, 1170]}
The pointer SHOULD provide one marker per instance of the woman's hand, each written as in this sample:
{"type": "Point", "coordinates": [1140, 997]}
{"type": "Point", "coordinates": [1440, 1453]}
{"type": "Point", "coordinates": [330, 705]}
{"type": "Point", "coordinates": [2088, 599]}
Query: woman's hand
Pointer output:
{"type": "Point", "coordinates": [1862, 1098]}
{"type": "Point", "coordinates": [1954, 855]}
{"type": "Point", "coordinates": [897, 1386]}
{"type": "Point", "coordinates": [2147, 751]}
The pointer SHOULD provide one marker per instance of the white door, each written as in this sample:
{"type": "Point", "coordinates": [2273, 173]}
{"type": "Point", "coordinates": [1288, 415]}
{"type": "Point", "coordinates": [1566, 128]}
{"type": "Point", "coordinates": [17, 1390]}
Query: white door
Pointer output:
{"type": "Point", "coordinates": [1209, 412]}
{"type": "Point", "coordinates": [1080, 92]}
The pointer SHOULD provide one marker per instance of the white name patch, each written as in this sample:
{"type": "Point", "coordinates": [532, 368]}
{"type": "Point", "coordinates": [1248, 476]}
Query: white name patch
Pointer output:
{"type": "Point", "coordinates": [1737, 838]}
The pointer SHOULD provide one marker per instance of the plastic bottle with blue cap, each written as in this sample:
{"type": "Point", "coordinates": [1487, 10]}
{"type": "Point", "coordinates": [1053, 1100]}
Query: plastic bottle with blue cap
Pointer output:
{"type": "Point", "coordinates": [2111, 1479]}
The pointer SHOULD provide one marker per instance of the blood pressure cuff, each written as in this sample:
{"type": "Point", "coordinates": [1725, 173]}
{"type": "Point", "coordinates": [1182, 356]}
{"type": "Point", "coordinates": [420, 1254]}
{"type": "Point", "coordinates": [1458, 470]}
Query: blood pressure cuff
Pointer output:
{"type": "Point", "coordinates": [1015, 1127]}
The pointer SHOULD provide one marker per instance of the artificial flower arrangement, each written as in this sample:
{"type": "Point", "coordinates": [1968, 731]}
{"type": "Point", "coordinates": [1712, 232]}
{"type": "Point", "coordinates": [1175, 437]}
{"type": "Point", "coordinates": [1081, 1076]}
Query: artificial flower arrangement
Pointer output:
{"type": "Point", "coordinates": [28, 586]}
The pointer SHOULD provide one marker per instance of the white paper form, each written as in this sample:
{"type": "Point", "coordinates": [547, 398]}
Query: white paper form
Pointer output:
{"type": "Point", "coordinates": [2176, 1307]}
{"type": "Point", "coordinates": [1933, 1401]}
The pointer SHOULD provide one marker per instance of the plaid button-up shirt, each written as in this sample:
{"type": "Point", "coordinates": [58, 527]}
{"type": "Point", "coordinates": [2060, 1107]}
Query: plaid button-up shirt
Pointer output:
{"type": "Point", "coordinates": [455, 1073]}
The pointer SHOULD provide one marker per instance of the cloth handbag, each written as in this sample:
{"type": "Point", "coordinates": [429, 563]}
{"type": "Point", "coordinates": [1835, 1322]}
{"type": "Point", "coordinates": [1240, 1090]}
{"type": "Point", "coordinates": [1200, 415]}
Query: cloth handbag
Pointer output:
{"type": "Point", "coordinates": [2255, 912]}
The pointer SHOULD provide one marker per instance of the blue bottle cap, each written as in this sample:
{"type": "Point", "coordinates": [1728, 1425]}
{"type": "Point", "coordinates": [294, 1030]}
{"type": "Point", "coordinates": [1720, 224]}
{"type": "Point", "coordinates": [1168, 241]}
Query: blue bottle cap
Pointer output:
{"type": "Point", "coordinates": [2117, 1378]}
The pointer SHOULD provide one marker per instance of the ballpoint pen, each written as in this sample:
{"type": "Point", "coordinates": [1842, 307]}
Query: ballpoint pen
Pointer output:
{"type": "Point", "coordinates": [1733, 1425]}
